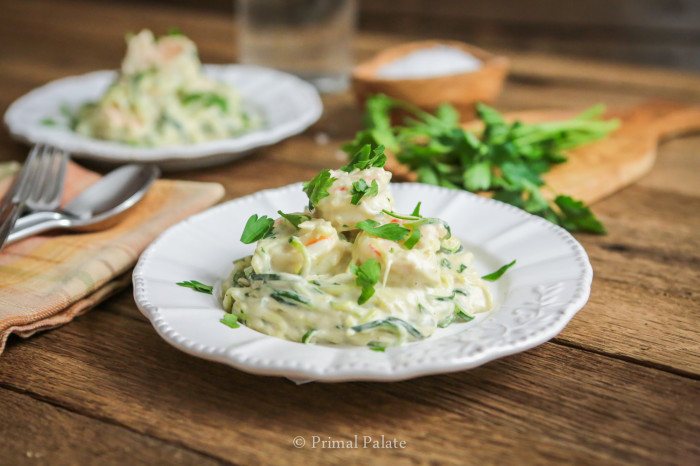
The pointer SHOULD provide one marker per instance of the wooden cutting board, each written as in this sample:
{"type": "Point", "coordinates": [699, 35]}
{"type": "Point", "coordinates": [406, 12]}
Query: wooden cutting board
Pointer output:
{"type": "Point", "coordinates": [597, 170]}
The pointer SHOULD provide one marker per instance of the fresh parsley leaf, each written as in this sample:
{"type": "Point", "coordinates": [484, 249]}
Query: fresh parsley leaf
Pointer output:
{"type": "Point", "coordinates": [534, 201]}
{"type": "Point", "coordinates": [48, 122]}
{"type": "Point", "coordinates": [416, 210]}
{"type": "Point", "coordinates": [390, 231]}
{"type": "Point", "coordinates": [478, 177]}
{"type": "Point", "coordinates": [448, 115]}
{"type": "Point", "coordinates": [230, 320]}
{"type": "Point", "coordinates": [492, 277]}
{"type": "Point", "coordinates": [361, 189]}
{"type": "Point", "coordinates": [294, 219]}
{"type": "Point", "coordinates": [197, 286]}
{"type": "Point", "coordinates": [462, 268]}
{"type": "Point", "coordinates": [514, 197]}
{"type": "Point", "coordinates": [445, 263]}
{"type": "Point", "coordinates": [257, 228]}
{"type": "Point", "coordinates": [517, 173]}
{"type": "Point", "coordinates": [489, 115]}
{"type": "Point", "coordinates": [367, 276]}
{"type": "Point", "coordinates": [427, 175]}
{"type": "Point", "coordinates": [399, 216]}
{"type": "Point", "coordinates": [414, 226]}
{"type": "Point", "coordinates": [366, 158]}
{"type": "Point", "coordinates": [577, 217]}
{"type": "Point", "coordinates": [377, 120]}
{"type": "Point", "coordinates": [317, 188]}
{"type": "Point", "coordinates": [413, 238]}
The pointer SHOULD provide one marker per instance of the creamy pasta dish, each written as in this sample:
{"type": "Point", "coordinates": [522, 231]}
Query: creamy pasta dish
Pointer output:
{"type": "Point", "coordinates": [350, 270]}
{"type": "Point", "coordinates": [161, 97]}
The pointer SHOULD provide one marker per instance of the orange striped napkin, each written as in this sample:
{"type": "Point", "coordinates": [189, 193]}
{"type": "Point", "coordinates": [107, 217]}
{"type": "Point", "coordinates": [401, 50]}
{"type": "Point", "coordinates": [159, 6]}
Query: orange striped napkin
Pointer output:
{"type": "Point", "coordinates": [48, 280]}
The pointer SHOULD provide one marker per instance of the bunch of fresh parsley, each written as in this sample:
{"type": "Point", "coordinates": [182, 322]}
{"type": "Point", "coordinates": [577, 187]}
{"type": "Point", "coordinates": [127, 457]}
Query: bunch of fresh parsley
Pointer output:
{"type": "Point", "coordinates": [507, 159]}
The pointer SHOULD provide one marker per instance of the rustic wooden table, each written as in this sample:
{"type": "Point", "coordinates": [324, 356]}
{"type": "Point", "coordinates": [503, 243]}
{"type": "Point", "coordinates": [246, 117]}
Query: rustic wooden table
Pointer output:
{"type": "Point", "coordinates": [618, 385]}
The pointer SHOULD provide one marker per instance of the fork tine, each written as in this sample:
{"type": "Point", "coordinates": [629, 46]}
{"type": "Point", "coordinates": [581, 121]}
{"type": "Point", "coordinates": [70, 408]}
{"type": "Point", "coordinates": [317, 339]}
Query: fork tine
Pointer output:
{"type": "Point", "coordinates": [28, 177]}
{"type": "Point", "coordinates": [47, 189]}
{"type": "Point", "coordinates": [20, 181]}
{"type": "Point", "coordinates": [18, 193]}
{"type": "Point", "coordinates": [39, 186]}
{"type": "Point", "coordinates": [54, 191]}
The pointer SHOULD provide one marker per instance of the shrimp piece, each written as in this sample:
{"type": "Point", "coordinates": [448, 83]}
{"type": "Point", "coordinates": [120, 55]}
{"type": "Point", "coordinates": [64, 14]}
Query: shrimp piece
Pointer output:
{"type": "Point", "coordinates": [338, 208]}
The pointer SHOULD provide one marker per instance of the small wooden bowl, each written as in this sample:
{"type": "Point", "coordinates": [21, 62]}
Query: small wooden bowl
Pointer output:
{"type": "Point", "coordinates": [462, 90]}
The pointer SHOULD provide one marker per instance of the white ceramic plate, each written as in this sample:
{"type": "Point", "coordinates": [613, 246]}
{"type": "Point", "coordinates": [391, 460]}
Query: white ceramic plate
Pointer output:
{"type": "Point", "coordinates": [287, 104]}
{"type": "Point", "coordinates": [534, 299]}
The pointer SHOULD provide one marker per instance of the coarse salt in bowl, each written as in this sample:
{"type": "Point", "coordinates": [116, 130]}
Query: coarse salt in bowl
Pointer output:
{"type": "Point", "coordinates": [429, 73]}
{"type": "Point", "coordinates": [430, 62]}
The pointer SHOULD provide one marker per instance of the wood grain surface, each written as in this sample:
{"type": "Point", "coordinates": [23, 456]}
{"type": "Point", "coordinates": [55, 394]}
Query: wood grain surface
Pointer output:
{"type": "Point", "coordinates": [642, 31]}
{"type": "Point", "coordinates": [618, 386]}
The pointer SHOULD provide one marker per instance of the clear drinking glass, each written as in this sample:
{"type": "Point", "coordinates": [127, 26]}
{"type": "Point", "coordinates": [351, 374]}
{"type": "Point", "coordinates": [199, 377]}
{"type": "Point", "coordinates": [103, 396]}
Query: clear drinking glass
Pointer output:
{"type": "Point", "coordinates": [309, 38]}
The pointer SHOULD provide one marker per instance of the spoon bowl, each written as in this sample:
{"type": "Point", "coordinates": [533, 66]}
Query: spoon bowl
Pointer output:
{"type": "Point", "coordinates": [102, 205]}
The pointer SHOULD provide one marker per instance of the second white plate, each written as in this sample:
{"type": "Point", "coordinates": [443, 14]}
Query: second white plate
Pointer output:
{"type": "Point", "coordinates": [534, 299]}
{"type": "Point", "coordinates": [287, 104]}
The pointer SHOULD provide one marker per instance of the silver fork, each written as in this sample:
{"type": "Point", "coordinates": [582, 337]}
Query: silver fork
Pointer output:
{"type": "Point", "coordinates": [36, 170]}
{"type": "Point", "coordinates": [47, 191]}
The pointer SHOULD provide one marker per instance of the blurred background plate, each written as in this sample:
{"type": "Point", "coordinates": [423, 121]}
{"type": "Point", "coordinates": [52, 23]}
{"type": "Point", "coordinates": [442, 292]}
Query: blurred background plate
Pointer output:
{"type": "Point", "coordinates": [287, 105]}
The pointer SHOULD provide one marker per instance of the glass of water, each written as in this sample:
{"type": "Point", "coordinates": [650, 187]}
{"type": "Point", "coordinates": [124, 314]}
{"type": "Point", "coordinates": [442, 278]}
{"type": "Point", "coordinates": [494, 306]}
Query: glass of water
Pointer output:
{"type": "Point", "coordinates": [309, 38]}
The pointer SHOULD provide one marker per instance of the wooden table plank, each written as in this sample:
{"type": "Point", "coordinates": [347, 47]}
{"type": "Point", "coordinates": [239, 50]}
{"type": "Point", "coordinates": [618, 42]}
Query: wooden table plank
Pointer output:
{"type": "Point", "coordinates": [675, 168]}
{"type": "Point", "coordinates": [37, 432]}
{"type": "Point", "coordinates": [551, 69]}
{"type": "Point", "coordinates": [618, 385]}
{"type": "Point", "coordinates": [551, 403]}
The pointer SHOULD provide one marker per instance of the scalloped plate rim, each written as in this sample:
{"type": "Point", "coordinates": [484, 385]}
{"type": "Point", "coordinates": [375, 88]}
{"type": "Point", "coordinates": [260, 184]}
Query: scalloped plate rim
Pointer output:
{"type": "Point", "coordinates": [487, 354]}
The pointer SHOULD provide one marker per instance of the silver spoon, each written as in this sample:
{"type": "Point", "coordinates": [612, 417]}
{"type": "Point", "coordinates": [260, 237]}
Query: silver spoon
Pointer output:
{"type": "Point", "coordinates": [100, 206]}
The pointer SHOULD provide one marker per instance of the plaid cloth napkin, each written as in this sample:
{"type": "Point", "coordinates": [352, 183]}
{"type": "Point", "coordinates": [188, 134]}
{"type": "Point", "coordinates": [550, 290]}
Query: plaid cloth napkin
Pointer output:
{"type": "Point", "coordinates": [47, 280]}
